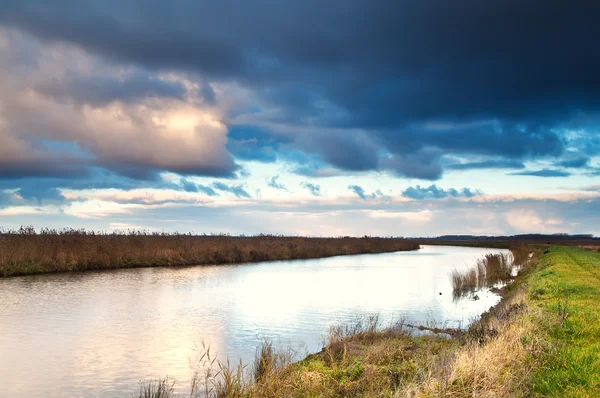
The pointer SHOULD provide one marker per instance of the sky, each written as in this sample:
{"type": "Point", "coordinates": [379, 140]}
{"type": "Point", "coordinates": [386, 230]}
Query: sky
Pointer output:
{"type": "Point", "coordinates": [387, 118]}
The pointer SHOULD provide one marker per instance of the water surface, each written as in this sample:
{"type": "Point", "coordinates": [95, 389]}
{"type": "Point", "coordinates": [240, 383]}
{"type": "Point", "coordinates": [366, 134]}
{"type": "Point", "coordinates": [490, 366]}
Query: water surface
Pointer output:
{"type": "Point", "coordinates": [99, 333]}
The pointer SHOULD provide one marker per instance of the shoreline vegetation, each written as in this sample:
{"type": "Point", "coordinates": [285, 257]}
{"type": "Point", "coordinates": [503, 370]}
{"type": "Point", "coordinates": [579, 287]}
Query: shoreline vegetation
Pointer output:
{"type": "Point", "coordinates": [492, 271]}
{"type": "Point", "coordinates": [28, 252]}
{"type": "Point", "coordinates": [542, 339]}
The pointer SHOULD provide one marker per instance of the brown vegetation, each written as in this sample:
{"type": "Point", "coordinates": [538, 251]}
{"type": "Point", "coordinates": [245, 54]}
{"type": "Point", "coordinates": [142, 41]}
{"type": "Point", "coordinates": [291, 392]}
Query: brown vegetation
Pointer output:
{"type": "Point", "coordinates": [490, 271]}
{"type": "Point", "coordinates": [594, 248]}
{"type": "Point", "coordinates": [26, 251]}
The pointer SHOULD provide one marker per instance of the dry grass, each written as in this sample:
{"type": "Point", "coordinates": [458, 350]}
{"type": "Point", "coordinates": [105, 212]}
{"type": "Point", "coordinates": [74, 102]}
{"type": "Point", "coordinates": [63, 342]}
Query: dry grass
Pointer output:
{"type": "Point", "coordinates": [493, 361]}
{"type": "Point", "coordinates": [27, 252]}
{"type": "Point", "coordinates": [594, 248]}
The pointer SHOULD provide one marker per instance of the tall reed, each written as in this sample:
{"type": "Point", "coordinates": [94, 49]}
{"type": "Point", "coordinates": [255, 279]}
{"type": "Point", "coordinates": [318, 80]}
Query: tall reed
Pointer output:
{"type": "Point", "coordinates": [156, 389]}
{"type": "Point", "coordinates": [489, 271]}
{"type": "Point", "coordinates": [26, 251]}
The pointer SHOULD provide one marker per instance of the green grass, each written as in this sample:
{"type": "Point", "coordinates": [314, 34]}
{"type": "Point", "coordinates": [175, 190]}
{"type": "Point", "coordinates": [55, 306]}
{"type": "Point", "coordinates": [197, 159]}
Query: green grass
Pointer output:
{"type": "Point", "coordinates": [567, 288]}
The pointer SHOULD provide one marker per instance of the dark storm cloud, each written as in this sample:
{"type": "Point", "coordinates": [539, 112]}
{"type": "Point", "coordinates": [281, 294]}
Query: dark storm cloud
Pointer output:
{"type": "Point", "coordinates": [313, 188]}
{"type": "Point", "coordinates": [435, 192]}
{"type": "Point", "coordinates": [208, 94]}
{"type": "Point", "coordinates": [342, 149]}
{"type": "Point", "coordinates": [41, 168]}
{"type": "Point", "coordinates": [543, 173]}
{"type": "Point", "coordinates": [351, 151]}
{"type": "Point", "coordinates": [424, 164]}
{"type": "Point", "coordinates": [21, 158]}
{"type": "Point", "coordinates": [498, 78]}
{"type": "Point", "coordinates": [100, 89]}
{"type": "Point", "coordinates": [252, 143]}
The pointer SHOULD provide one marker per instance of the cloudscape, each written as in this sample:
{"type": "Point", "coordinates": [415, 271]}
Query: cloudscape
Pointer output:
{"type": "Point", "coordinates": [406, 118]}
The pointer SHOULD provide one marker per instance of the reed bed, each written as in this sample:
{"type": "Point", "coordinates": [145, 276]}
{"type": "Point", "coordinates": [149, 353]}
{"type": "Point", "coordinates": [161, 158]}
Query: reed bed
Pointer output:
{"type": "Point", "coordinates": [491, 270]}
{"type": "Point", "coordinates": [488, 272]}
{"type": "Point", "coordinates": [25, 251]}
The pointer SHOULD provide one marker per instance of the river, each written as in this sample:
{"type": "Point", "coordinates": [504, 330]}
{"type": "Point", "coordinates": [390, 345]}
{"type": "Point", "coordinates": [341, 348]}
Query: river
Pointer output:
{"type": "Point", "coordinates": [99, 333]}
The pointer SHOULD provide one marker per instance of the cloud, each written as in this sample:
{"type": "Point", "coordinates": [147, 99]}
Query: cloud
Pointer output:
{"type": "Point", "coordinates": [318, 172]}
{"type": "Point", "coordinates": [8, 199]}
{"type": "Point", "coordinates": [273, 183]}
{"type": "Point", "coordinates": [436, 84]}
{"type": "Point", "coordinates": [591, 188]}
{"type": "Point", "coordinates": [529, 221]}
{"type": "Point", "coordinates": [324, 216]}
{"type": "Point", "coordinates": [358, 190]}
{"type": "Point", "coordinates": [191, 39]}
{"type": "Point", "coordinates": [237, 190]}
{"type": "Point", "coordinates": [487, 164]}
{"type": "Point", "coordinates": [65, 112]}
{"type": "Point", "coordinates": [147, 198]}
{"type": "Point", "coordinates": [543, 173]}
{"type": "Point", "coordinates": [362, 194]}
{"type": "Point", "coordinates": [40, 194]}
{"type": "Point", "coordinates": [314, 189]}
{"type": "Point", "coordinates": [424, 164]}
{"type": "Point", "coordinates": [33, 191]}
{"type": "Point", "coordinates": [21, 157]}
{"type": "Point", "coordinates": [575, 163]}
{"type": "Point", "coordinates": [346, 150]}
{"type": "Point", "coordinates": [99, 89]}
{"type": "Point", "coordinates": [190, 186]}
{"type": "Point", "coordinates": [248, 142]}
{"type": "Point", "coordinates": [435, 192]}
{"type": "Point", "coordinates": [97, 179]}
{"type": "Point", "coordinates": [417, 216]}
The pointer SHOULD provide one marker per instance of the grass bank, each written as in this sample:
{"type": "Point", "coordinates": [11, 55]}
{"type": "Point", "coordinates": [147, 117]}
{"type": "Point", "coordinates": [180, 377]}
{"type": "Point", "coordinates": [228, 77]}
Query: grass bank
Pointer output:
{"type": "Point", "coordinates": [543, 339]}
{"type": "Point", "coordinates": [566, 288]}
{"type": "Point", "coordinates": [26, 252]}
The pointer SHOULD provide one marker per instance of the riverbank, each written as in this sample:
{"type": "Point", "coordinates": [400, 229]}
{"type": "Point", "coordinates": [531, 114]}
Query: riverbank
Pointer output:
{"type": "Point", "coordinates": [26, 252]}
{"type": "Point", "coordinates": [542, 339]}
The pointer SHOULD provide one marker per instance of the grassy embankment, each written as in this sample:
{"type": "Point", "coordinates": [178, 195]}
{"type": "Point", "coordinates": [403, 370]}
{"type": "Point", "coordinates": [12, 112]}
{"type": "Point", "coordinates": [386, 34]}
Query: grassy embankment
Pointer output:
{"type": "Point", "coordinates": [567, 289]}
{"type": "Point", "coordinates": [26, 252]}
{"type": "Point", "coordinates": [543, 339]}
